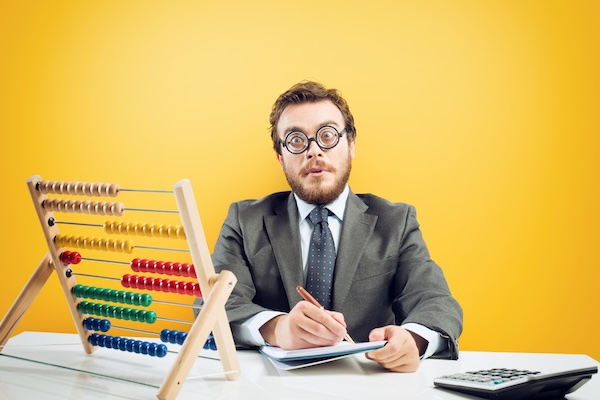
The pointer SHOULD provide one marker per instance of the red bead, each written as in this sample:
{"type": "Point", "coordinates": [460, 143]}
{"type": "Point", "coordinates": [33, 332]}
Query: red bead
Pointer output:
{"type": "Point", "coordinates": [174, 267]}
{"type": "Point", "coordinates": [75, 257]}
{"type": "Point", "coordinates": [197, 291]}
{"type": "Point", "coordinates": [172, 285]}
{"type": "Point", "coordinates": [125, 281]}
{"type": "Point", "coordinates": [192, 271]}
{"type": "Point", "coordinates": [164, 285]}
{"type": "Point", "coordinates": [168, 266]}
{"type": "Point", "coordinates": [181, 287]}
{"type": "Point", "coordinates": [159, 266]}
{"type": "Point", "coordinates": [135, 265]}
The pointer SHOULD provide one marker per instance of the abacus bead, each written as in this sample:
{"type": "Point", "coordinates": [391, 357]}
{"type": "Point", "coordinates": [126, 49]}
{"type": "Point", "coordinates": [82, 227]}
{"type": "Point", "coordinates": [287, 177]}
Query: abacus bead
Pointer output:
{"type": "Point", "coordinates": [180, 337]}
{"type": "Point", "coordinates": [152, 349]}
{"type": "Point", "coordinates": [157, 284]}
{"type": "Point", "coordinates": [115, 341]}
{"type": "Point", "coordinates": [150, 317]}
{"type": "Point", "coordinates": [192, 271]}
{"type": "Point", "coordinates": [135, 264]}
{"type": "Point", "coordinates": [129, 345]}
{"type": "Point", "coordinates": [76, 290]}
{"type": "Point", "coordinates": [141, 315]}
{"type": "Point", "coordinates": [211, 343]}
{"type": "Point", "coordinates": [122, 296]}
{"type": "Point", "coordinates": [181, 287]}
{"type": "Point", "coordinates": [125, 281]}
{"type": "Point", "coordinates": [93, 339]}
{"type": "Point", "coordinates": [64, 257]}
{"type": "Point", "coordinates": [197, 291]}
{"type": "Point", "coordinates": [82, 307]}
{"type": "Point", "coordinates": [146, 300]}
{"type": "Point", "coordinates": [119, 312]}
{"type": "Point", "coordinates": [172, 285]}
{"type": "Point", "coordinates": [75, 257]}
{"type": "Point", "coordinates": [189, 288]}
{"type": "Point", "coordinates": [164, 335]}
{"type": "Point", "coordinates": [176, 267]}
{"type": "Point", "coordinates": [144, 348]}
{"type": "Point", "coordinates": [104, 325]}
{"type": "Point", "coordinates": [102, 340]}
{"type": "Point", "coordinates": [137, 346]}
{"type": "Point", "coordinates": [87, 324]}
{"type": "Point", "coordinates": [161, 351]}
{"type": "Point", "coordinates": [123, 344]}
{"type": "Point", "coordinates": [171, 336]}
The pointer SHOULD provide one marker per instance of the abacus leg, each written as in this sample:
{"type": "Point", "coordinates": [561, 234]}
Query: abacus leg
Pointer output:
{"type": "Point", "coordinates": [204, 324]}
{"type": "Point", "coordinates": [25, 298]}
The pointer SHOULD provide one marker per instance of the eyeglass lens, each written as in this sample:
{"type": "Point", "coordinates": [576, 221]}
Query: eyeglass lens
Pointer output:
{"type": "Point", "coordinates": [326, 137]}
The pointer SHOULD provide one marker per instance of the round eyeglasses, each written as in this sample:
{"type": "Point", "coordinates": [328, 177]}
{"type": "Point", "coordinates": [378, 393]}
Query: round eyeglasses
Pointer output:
{"type": "Point", "coordinates": [327, 137]}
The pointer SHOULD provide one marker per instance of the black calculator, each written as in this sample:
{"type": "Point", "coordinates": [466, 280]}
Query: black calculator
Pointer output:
{"type": "Point", "coordinates": [516, 384]}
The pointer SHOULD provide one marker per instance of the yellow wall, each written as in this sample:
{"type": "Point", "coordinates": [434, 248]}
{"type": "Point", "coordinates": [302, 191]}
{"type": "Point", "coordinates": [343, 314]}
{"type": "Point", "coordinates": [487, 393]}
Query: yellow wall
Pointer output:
{"type": "Point", "coordinates": [483, 114]}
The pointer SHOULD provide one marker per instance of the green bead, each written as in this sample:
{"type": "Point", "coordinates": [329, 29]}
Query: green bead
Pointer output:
{"type": "Point", "coordinates": [150, 317]}
{"type": "Point", "coordinates": [83, 306]}
{"type": "Point", "coordinates": [76, 290]}
{"type": "Point", "coordinates": [99, 295]}
{"type": "Point", "coordinates": [146, 300]}
{"type": "Point", "coordinates": [121, 296]}
{"type": "Point", "coordinates": [92, 292]}
{"type": "Point", "coordinates": [113, 295]}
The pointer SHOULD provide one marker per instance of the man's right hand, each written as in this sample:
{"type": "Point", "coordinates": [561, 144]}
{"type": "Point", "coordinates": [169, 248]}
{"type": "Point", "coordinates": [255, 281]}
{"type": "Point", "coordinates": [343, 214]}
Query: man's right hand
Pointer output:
{"type": "Point", "coordinates": [304, 327]}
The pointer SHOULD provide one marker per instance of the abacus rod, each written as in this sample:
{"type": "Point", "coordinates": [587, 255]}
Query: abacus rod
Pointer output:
{"type": "Point", "coordinates": [162, 248]}
{"type": "Point", "coordinates": [151, 210]}
{"type": "Point", "coordinates": [146, 190]}
{"type": "Point", "coordinates": [175, 320]}
{"type": "Point", "coordinates": [105, 261]}
{"type": "Point", "coordinates": [77, 223]}
{"type": "Point", "coordinates": [110, 278]}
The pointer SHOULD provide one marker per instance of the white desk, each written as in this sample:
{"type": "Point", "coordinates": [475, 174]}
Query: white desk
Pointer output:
{"type": "Point", "coordinates": [350, 378]}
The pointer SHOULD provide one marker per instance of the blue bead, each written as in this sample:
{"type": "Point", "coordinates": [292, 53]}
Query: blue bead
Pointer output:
{"type": "Point", "coordinates": [181, 337]}
{"type": "Point", "coordinates": [171, 336]}
{"type": "Point", "coordinates": [93, 339]}
{"type": "Point", "coordinates": [161, 351]}
{"type": "Point", "coordinates": [164, 335]}
{"type": "Point", "coordinates": [129, 345]}
{"type": "Point", "coordinates": [104, 325]}
{"type": "Point", "coordinates": [152, 349]}
{"type": "Point", "coordinates": [137, 346]}
{"type": "Point", "coordinates": [144, 347]}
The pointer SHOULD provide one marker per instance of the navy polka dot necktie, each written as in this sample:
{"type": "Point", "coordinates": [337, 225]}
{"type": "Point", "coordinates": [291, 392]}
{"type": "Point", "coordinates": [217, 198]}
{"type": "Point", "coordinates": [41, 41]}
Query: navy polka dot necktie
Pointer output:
{"type": "Point", "coordinates": [321, 258]}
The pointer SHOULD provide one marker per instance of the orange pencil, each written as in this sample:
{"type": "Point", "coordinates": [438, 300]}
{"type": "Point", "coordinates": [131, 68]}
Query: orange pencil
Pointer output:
{"type": "Point", "coordinates": [308, 297]}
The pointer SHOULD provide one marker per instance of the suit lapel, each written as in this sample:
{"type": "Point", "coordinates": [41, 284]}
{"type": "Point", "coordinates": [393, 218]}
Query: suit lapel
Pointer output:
{"type": "Point", "coordinates": [356, 231]}
{"type": "Point", "coordinates": [284, 235]}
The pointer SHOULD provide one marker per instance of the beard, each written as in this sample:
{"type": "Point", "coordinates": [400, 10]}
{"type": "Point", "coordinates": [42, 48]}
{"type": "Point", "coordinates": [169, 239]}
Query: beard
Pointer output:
{"type": "Point", "coordinates": [316, 193]}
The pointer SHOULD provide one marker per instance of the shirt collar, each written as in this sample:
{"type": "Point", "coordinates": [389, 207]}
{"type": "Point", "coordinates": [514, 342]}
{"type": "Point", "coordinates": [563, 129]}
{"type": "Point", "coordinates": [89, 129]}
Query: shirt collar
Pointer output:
{"type": "Point", "coordinates": [337, 207]}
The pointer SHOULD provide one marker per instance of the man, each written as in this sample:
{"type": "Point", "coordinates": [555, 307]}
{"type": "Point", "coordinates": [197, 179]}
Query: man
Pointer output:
{"type": "Point", "coordinates": [384, 284]}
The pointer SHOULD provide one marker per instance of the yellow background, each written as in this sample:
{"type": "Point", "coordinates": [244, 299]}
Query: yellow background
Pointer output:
{"type": "Point", "coordinates": [483, 114]}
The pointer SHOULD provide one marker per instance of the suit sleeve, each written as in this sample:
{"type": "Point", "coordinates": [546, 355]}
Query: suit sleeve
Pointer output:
{"type": "Point", "coordinates": [423, 295]}
{"type": "Point", "coordinates": [229, 254]}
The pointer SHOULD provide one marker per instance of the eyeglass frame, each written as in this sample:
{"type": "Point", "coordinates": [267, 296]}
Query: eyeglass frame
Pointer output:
{"type": "Point", "coordinates": [340, 134]}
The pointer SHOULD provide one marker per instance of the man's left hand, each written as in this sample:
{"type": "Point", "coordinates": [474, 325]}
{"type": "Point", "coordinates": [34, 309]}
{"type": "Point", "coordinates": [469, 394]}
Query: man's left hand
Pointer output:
{"type": "Point", "coordinates": [402, 350]}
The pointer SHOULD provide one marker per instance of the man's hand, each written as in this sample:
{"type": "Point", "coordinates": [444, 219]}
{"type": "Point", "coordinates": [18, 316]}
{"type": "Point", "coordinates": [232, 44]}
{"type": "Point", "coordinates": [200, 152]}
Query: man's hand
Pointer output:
{"type": "Point", "coordinates": [402, 351]}
{"type": "Point", "coordinates": [304, 327]}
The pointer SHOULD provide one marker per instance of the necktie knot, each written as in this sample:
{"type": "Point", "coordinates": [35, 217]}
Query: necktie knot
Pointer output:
{"type": "Point", "coordinates": [318, 215]}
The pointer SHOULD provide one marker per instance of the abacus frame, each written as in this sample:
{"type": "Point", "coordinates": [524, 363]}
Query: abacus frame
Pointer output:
{"type": "Point", "coordinates": [215, 288]}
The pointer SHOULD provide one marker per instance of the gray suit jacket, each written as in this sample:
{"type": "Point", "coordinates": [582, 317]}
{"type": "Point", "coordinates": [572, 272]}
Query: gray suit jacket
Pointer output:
{"type": "Point", "coordinates": [383, 274]}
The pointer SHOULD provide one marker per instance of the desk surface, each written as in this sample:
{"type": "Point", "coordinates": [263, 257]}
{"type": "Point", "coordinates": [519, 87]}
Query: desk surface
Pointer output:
{"type": "Point", "coordinates": [354, 377]}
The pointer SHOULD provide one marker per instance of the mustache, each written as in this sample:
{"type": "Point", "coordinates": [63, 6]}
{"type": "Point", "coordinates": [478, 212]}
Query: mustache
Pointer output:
{"type": "Point", "coordinates": [318, 164]}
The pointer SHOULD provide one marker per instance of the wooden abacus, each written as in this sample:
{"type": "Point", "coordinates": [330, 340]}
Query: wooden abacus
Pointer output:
{"type": "Point", "coordinates": [214, 288]}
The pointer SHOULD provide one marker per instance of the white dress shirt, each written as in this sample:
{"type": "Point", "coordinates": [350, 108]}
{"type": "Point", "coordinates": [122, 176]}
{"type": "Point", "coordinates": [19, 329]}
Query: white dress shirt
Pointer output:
{"type": "Point", "coordinates": [249, 329]}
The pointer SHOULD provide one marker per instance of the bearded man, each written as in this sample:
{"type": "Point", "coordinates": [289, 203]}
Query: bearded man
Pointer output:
{"type": "Point", "coordinates": [361, 256]}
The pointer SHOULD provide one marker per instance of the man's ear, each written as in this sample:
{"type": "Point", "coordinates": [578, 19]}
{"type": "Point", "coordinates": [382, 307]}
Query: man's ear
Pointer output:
{"type": "Point", "coordinates": [352, 146]}
{"type": "Point", "coordinates": [279, 158]}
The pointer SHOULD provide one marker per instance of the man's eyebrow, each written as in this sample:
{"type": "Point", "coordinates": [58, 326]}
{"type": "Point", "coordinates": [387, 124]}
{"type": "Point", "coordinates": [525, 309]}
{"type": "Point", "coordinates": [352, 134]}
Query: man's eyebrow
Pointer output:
{"type": "Point", "coordinates": [297, 129]}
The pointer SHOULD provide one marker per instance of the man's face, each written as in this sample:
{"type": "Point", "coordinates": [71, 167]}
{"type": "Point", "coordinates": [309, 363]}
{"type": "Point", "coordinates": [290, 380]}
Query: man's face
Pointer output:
{"type": "Point", "coordinates": [317, 176]}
